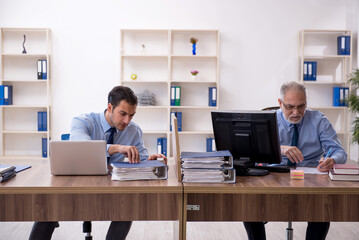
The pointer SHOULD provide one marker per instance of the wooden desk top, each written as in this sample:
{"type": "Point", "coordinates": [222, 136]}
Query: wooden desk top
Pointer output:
{"type": "Point", "coordinates": [38, 179]}
{"type": "Point", "coordinates": [277, 183]}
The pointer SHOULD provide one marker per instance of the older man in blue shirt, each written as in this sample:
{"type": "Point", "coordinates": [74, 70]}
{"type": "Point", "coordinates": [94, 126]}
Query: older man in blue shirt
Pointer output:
{"type": "Point", "coordinates": [124, 139]}
{"type": "Point", "coordinates": [306, 137]}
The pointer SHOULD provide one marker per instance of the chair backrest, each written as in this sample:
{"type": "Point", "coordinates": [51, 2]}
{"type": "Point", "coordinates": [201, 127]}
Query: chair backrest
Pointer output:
{"type": "Point", "coordinates": [65, 136]}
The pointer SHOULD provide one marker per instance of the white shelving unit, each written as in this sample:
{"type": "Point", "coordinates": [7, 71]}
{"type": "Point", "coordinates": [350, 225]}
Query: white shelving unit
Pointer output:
{"type": "Point", "coordinates": [20, 138]}
{"type": "Point", "coordinates": [167, 61]}
{"type": "Point", "coordinates": [332, 71]}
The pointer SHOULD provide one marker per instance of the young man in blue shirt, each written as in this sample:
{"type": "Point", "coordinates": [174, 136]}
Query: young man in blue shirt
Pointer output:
{"type": "Point", "coordinates": [305, 136]}
{"type": "Point", "coordinates": [124, 139]}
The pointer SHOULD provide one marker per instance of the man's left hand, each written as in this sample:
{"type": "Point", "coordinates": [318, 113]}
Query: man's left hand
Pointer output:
{"type": "Point", "coordinates": [157, 155]}
{"type": "Point", "coordinates": [325, 166]}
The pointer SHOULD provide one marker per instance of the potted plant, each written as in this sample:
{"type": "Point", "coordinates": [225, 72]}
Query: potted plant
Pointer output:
{"type": "Point", "coordinates": [353, 102]}
{"type": "Point", "coordinates": [194, 74]}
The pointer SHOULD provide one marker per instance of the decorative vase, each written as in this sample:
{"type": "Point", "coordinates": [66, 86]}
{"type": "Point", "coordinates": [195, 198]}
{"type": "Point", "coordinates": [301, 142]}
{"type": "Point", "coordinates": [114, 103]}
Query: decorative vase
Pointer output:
{"type": "Point", "coordinates": [194, 48]}
{"type": "Point", "coordinates": [194, 77]}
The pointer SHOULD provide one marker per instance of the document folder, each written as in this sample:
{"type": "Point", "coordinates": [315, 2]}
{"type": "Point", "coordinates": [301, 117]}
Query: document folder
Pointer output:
{"type": "Point", "coordinates": [208, 167]}
{"type": "Point", "coordinates": [145, 170]}
{"type": "Point", "coordinates": [218, 160]}
{"type": "Point", "coordinates": [209, 175]}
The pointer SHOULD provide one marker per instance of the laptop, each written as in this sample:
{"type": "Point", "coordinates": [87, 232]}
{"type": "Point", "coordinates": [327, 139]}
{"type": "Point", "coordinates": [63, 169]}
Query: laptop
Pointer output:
{"type": "Point", "coordinates": [78, 157]}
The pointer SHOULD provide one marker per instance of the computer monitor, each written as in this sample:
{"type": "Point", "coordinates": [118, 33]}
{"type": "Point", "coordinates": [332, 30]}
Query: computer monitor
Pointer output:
{"type": "Point", "coordinates": [251, 137]}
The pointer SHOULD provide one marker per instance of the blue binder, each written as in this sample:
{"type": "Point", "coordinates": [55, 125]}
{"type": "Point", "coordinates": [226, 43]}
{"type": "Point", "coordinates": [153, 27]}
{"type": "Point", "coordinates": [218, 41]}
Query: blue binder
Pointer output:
{"type": "Point", "coordinates": [314, 71]}
{"type": "Point", "coordinates": [7, 95]}
{"type": "Point", "coordinates": [159, 145]}
{"type": "Point", "coordinates": [347, 45]}
{"type": "Point", "coordinates": [39, 121]}
{"type": "Point", "coordinates": [341, 42]}
{"type": "Point", "coordinates": [179, 121]}
{"type": "Point", "coordinates": [164, 146]}
{"type": "Point", "coordinates": [44, 147]}
{"type": "Point", "coordinates": [2, 101]}
{"type": "Point", "coordinates": [336, 96]}
{"type": "Point", "coordinates": [212, 96]}
{"type": "Point", "coordinates": [346, 97]}
{"type": "Point", "coordinates": [44, 69]}
{"type": "Point", "coordinates": [305, 71]}
{"type": "Point", "coordinates": [44, 121]}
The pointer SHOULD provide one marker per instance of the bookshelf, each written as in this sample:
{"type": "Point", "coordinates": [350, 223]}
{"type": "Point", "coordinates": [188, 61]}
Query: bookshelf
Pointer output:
{"type": "Point", "coordinates": [320, 46]}
{"type": "Point", "coordinates": [20, 138]}
{"type": "Point", "coordinates": [166, 61]}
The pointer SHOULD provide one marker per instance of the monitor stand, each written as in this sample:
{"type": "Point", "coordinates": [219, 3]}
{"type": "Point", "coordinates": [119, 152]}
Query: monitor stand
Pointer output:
{"type": "Point", "coordinates": [244, 168]}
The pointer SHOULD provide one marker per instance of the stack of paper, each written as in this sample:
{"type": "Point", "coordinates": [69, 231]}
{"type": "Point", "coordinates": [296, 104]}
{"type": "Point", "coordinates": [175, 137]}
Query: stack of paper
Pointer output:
{"type": "Point", "coordinates": [209, 167]}
{"type": "Point", "coordinates": [145, 170]}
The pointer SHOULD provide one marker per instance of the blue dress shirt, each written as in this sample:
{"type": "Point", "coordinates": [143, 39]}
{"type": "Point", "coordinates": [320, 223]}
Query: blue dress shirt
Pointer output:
{"type": "Point", "coordinates": [93, 126]}
{"type": "Point", "coordinates": [316, 136]}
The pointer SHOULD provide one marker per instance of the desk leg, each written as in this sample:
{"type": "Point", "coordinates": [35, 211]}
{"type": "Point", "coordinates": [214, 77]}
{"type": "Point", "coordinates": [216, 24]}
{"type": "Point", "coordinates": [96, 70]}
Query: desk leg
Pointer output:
{"type": "Point", "coordinates": [178, 225]}
{"type": "Point", "coordinates": [184, 217]}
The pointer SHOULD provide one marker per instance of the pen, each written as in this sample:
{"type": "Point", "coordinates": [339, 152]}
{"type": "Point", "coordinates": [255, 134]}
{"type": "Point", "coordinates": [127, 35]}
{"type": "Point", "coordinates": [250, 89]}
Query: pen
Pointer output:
{"type": "Point", "coordinates": [328, 154]}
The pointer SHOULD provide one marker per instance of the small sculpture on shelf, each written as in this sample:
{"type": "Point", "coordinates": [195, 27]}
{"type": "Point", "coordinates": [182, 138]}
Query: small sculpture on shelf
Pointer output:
{"type": "Point", "coordinates": [194, 74]}
{"type": "Point", "coordinates": [146, 98]}
{"type": "Point", "coordinates": [23, 45]}
{"type": "Point", "coordinates": [143, 49]}
{"type": "Point", "coordinates": [194, 43]}
{"type": "Point", "coordinates": [133, 76]}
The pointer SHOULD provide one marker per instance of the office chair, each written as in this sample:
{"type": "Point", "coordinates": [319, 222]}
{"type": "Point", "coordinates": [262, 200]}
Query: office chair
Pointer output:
{"type": "Point", "coordinates": [289, 229]}
{"type": "Point", "coordinates": [87, 225]}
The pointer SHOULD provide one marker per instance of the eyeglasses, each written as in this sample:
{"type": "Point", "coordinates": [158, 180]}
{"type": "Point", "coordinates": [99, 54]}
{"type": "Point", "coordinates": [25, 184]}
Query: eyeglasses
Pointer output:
{"type": "Point", "coordinates": [291, 107]}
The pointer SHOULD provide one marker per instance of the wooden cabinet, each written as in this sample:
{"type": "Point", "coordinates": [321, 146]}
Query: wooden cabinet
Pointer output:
{"type": "Point", "coordinates": [19, 122]}
{"type": "Point", "coordinates": [162, 59]}
{"type": "Point", "coordinates": [321, 46]}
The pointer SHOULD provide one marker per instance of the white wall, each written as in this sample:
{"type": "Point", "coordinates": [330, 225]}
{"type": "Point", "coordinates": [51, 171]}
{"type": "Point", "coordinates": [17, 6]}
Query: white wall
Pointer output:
{"type": "Point", "coordinates": [258, 50]}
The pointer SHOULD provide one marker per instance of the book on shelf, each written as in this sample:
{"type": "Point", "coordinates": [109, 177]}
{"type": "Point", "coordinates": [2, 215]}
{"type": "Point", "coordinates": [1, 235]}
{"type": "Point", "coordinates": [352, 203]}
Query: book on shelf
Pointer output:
{"type": "Point", "coordinates": [343, 45]}
{"type": "Point", "coordinates": [212, 96]}
{"type": "Point", "coordinates": [211, 167]}
{"type": "Point", "coordinates": [346, 169]}
{"type": "Point", "coordinates": [343, 177]}
{"type": "Point", "coordinates": [211, 145]}
{"type": "Point", "coordinates": [144, 170]}
{"type": "Point", "coordinates": [162, 145]}
{"type": "Point", "coordinates": [178, 115]}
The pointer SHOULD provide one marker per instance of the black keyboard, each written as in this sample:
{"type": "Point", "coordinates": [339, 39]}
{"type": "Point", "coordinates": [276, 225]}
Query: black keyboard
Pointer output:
{"type": "Point", "coordinates": [279, 168]}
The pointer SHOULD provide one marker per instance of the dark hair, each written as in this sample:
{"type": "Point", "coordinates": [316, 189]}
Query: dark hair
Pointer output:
{"type": "Point", "coordinates": [119, 93]}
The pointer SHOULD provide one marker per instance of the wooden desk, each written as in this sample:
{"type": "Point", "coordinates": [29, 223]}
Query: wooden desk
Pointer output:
{"type": "Point", "coordinates": [273, 198]}
{"type": "Point", "coordinates": [36, 195]}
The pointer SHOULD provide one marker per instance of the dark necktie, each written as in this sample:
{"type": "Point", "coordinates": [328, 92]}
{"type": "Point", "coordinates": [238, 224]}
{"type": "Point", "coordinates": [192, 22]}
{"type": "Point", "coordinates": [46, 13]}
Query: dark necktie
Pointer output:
{"type": "Point", "coordinates": [294, 142]}
{"type": "Point", "coordinates": [111, 132]}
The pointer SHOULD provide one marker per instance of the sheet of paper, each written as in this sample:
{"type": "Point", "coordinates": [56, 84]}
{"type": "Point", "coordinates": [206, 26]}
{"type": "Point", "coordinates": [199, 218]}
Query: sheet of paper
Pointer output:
{"type": "Point", "coordinates": [310, 170]}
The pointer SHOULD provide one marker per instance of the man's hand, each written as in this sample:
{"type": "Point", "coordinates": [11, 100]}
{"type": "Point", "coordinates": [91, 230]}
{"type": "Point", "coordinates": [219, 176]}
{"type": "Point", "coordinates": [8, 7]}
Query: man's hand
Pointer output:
{"type": "Point", "coordinates": [325, 166]}
{"type": "Point", "coordinates": [130, 152]}
{"type": "Point", "coordinates": [157, 155]}
{"type": "Point", "coordinates": [292, 153]}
